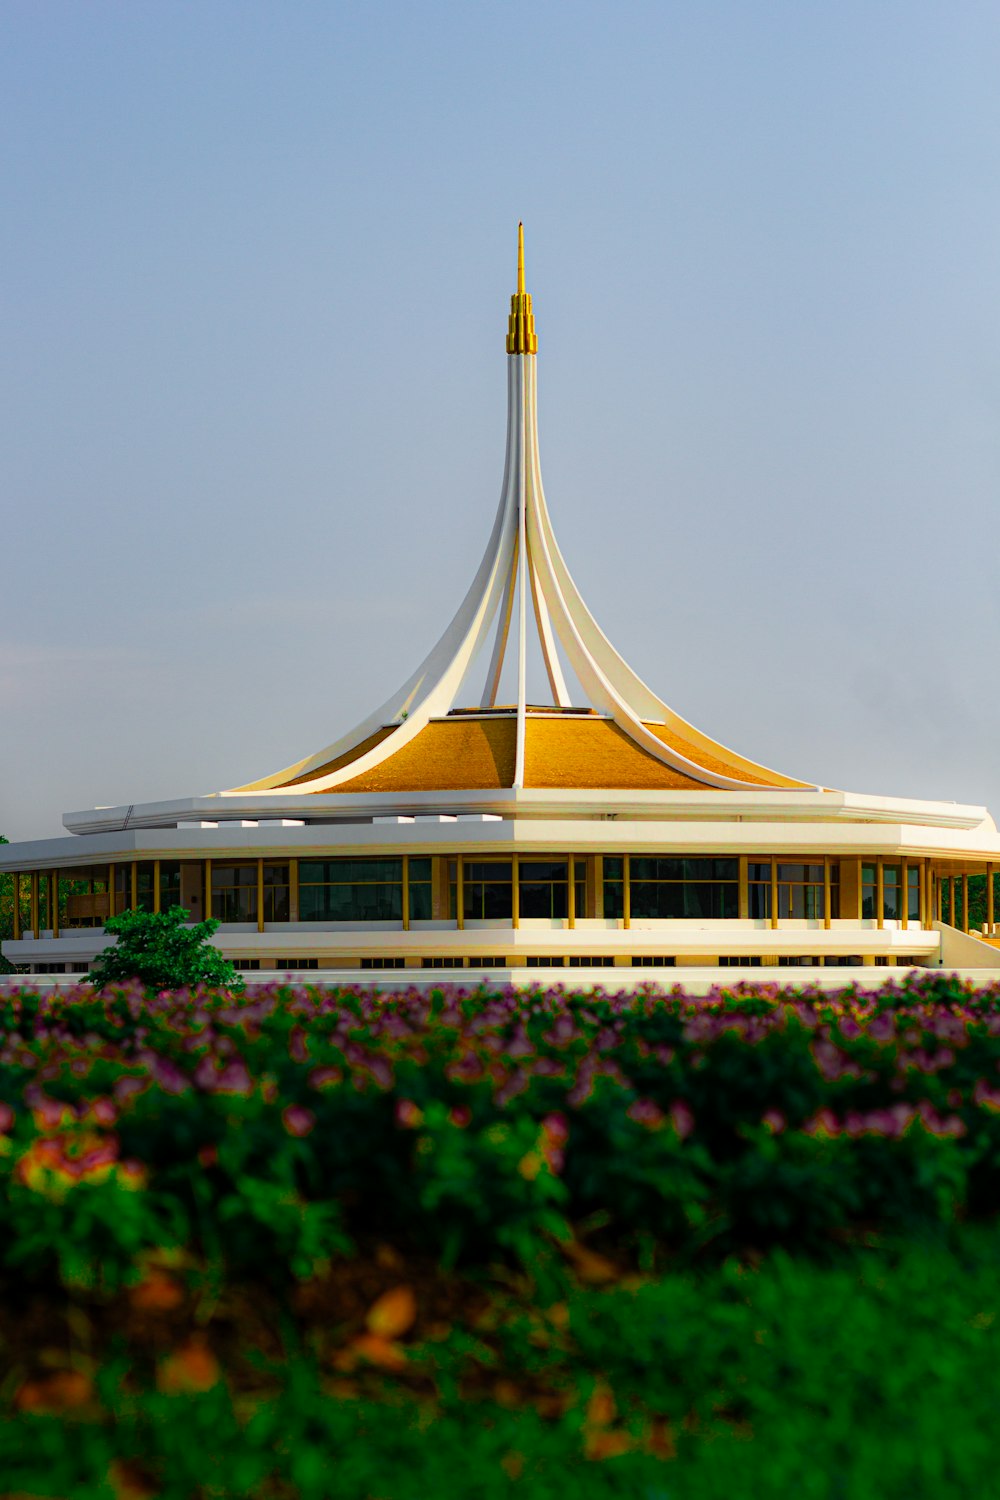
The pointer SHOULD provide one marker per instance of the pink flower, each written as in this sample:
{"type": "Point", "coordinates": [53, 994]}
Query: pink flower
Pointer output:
{"type": "Point", "coordinates": [554, 1135]}
{"type": "Point", "coordinates": [682, 1118]}
{"type": "Point", "coordinates": [234, 1079]}
{"type": "Point", "coordinates": [646, 1112]}
{"type": "Point", "coordinates": [823, 1122]}
{"type": "Point", "coordinates": [126, 1087]}
{"type": "Point", "coordinates": [298, 1120]}
{"type": "Point", "coordinates": [774, 1121]}
{"type": "Point", "coordinates": [986, 1096]}
{"type": "Point", "coordinates": [408, 1115]}
{"type": "Point", "coordinates": [319, 1078]}
{"type": "Point", "coordinates": [881, 1029]}
{"type": "Point", "coordinates": [937, 1123]}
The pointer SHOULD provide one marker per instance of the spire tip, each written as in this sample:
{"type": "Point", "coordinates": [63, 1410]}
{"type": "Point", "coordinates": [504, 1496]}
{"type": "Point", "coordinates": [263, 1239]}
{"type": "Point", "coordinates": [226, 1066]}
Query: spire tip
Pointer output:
{"type": "Point", "coordinates": [521, 337]}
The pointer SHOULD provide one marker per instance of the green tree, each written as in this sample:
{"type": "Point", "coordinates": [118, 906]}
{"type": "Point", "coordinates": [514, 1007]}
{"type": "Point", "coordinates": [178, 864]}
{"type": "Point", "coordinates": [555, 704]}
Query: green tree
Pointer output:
{"type": "Point", "coordinates": [6, 912]}
{"type": "Point", "coordinates": [162, 952]}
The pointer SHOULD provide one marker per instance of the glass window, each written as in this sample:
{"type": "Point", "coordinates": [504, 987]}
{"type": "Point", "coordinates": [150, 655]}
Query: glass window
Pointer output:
{"type": "Point", "coordinates": [234, 892]}
{"type": "Point", "coordinates": [676, 888]}
{"type": "Point", "coordinates": [351, 890]}
{"type": "Point", "coordinates": [684, 898]}
{"type": "Point", "coordinates": [892, 892]}
{"type": "Point", "coordinates": [277, 893]}
{"type": "Point", "coordinates": [421, 890]}
{"type": "Point", "coordinates": [488, 890]}
{"type": "Point", "coordinates": [170, 884]}
{"type": "Point", "coordinates": [83, 896]}
{"type": "Point", "coordinates": [579, 886]}
{"type": "Point", "coordinates": [913, 893]}
{"type": "Point", "coordinates": [614, 886]}
{"type": "Point", "coordinates": [801, 891]}
{"type": "Point", "coordinates": [542, 888]}
{"type": "Point", "coordinates": [645, 867]}
{"type": "Point", "coordinates": [144, 875]}
{"type": "Point", "coordinates": [759, 888]}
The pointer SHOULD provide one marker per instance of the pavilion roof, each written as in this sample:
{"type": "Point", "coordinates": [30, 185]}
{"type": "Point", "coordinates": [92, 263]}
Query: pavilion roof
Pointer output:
{"type": "Point", "coordinates": [626, 736]}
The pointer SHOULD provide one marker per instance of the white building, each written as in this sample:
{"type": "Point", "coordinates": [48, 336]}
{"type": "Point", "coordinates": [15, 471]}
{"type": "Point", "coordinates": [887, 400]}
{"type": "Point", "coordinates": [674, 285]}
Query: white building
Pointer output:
{"type": "Point", "coordinates": [508, 839]}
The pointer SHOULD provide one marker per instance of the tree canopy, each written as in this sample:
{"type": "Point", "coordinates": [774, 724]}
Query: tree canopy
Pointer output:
{"type": "Point", "coordinates": [163, 952]}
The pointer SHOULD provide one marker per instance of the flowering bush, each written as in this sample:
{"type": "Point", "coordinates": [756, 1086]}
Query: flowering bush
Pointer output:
{"type": "Point", "coordinates": [251, 1220]}
{"type": "Point", "coordinates": [281, 1129]}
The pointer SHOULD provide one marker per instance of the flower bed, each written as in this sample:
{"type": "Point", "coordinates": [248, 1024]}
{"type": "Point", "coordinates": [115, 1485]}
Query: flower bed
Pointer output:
{"type": "Point", "coordinates": [397, 1191]}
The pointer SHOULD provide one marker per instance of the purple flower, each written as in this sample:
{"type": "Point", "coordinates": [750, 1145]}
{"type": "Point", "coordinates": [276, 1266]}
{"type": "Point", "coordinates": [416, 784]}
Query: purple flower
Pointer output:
{"type": "Point", "coordinates": [682, 1118]}
{"type": "Point", "coordinates": [298, 1120]}
{"type": "Point", "coordinates": [646, 1112]}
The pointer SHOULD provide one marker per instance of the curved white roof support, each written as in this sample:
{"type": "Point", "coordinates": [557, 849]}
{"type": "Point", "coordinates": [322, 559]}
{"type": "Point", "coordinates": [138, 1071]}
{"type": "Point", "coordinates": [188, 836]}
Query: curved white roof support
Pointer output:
{"type": "Point", "coordinates": [522, 555]}
{"type": "Point", "coordinates": [604, 674]}
{"type": "Point", "coordinates": [431, 689]}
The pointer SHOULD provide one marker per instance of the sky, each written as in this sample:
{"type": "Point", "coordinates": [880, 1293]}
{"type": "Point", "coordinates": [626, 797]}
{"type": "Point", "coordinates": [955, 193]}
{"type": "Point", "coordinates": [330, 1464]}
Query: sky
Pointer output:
{"type": "Point", "coordinates": [257, 261]}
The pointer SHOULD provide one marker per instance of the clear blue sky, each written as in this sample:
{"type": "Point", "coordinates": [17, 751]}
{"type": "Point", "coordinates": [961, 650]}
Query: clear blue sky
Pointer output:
{"type": "Point", "coordinates": [256, 265]}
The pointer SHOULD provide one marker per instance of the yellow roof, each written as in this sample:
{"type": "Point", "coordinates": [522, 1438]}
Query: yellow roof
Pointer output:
{"type": "Point", "coordinates": [571, 750]}
{"type": "Point", "coordinates": [738, 768]}
{"type": "Point", "coordinates": [448, 755]}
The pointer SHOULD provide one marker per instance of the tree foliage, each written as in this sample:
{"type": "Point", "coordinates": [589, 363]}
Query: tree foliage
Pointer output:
{"type": "Point", "coordinates": [6, 912]}
{"type": "Point", "coordinates": [163, 952]}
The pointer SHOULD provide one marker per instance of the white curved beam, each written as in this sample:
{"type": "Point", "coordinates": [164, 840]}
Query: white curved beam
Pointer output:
{"type": "Point", "coordinates": [492, 684]}
{"type": "Point", "coordinates": [628, 690]}
{"type": "Point", "coordinates": [431, 689]}
{"type": "Point", "coordinates": [553, 666]}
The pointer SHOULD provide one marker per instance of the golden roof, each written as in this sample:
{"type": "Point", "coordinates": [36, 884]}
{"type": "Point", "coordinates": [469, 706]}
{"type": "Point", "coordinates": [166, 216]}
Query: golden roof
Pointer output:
{"type": "Point", "coordinates": [571, 750]}
{"type": "Point", "coordinates": [743, 769]}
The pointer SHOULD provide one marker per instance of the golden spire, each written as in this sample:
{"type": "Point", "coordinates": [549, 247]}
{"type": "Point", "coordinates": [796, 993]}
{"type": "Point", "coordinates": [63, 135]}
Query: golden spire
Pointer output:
{"type": "Point", "coordinates": [521, 336]}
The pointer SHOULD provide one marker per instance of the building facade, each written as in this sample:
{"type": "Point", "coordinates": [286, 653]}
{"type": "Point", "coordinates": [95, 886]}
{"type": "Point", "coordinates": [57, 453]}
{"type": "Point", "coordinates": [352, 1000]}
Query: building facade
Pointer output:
{"type": "Point", "coordinates": [449, 840]}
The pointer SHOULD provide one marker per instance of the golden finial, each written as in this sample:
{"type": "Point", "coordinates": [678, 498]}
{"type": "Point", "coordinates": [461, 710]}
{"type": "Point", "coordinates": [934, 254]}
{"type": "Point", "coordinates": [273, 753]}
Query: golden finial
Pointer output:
{"type": "Point", "coordinates": [521, 336]}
